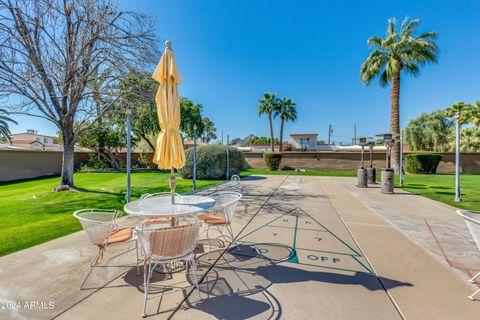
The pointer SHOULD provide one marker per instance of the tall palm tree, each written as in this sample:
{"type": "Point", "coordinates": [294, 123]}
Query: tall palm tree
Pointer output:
{"type": "Point", "coordinates": [4, 129]}
{"type": "Point", "coordinates": [267, 105]}
{"type": "Point", "coordinates": [286, 110]}
{"type": "Point", "coordinates": [400, 52]}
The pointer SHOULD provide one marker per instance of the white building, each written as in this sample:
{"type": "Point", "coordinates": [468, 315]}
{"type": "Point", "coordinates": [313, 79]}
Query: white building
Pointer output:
{"type": "Point", "coordinates": [304, 141]}
{"type": "Point", "coordinates": [35, 141]}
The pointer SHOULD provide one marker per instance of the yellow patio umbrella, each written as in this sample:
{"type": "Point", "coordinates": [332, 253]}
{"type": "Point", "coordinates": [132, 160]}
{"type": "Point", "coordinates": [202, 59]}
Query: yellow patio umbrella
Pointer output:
{"type": "Point", "coordinates": [169, 152]}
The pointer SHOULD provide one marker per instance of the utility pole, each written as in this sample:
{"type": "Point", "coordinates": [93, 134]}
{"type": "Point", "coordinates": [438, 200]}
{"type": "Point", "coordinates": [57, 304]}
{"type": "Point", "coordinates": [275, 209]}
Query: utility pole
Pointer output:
{"type": "Point", "coordinates": [129, 151]}
{"type": "Point", "coordinates": [458, 190]}
{"type": "Point", "coordinates": [222, 136]}
{"type": "Point", "coordinates": [194, 180]}
{"type": "Point", "coordinates": [354, 134]}
{"type": "Point", "coordinates": [329, 132]}
{"type": "Point", "coordinates": [227, 174]}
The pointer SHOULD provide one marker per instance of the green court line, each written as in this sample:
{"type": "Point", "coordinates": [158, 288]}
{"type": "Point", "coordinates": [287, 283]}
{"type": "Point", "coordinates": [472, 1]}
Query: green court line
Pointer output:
{"type": "Point", "coordinates": [330, 232]}
{"type": "Point", "coordinates": [294, 258]}
{"type": "Point", "coordinates": [323, 251]}
{"type": "Point", "coordinates": [363, 264]}
{"type": "Point", "coordinates": [272, 225]}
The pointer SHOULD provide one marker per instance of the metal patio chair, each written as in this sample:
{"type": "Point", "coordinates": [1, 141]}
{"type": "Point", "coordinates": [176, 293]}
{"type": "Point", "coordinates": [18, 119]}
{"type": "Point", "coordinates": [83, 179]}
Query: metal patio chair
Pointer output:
{"type": "Point", "coordinates": [168, 245]}
{"type": "Point", "coordinates": [102, 230]}
{"type": "Point", "coordinates": [472, 221]}
{"type": "Point", "coordinates": [221, 216]}
{"type": "Point", "coordinates": [147, 222]}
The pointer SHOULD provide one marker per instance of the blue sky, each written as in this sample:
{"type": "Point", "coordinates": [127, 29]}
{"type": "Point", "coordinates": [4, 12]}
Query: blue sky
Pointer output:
{"type": "Point", "coordinates": [230, 52]}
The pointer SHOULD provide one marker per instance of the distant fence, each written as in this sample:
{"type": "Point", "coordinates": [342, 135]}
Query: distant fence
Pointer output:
{"type": "Point", "coordinates": [470, 162]}
{"type": "Point", "coordinates": [26, 164]}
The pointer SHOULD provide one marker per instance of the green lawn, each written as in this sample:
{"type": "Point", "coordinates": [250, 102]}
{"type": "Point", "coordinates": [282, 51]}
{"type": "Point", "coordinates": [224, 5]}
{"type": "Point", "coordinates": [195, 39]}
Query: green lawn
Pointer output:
{"type": "Point", "coordinates": [439, 187]}
{"type": "Point", "coordinates": [31, 213]}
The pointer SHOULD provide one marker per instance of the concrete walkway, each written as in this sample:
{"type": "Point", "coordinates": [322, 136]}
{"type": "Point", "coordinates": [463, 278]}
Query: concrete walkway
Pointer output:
{"type": "Point", "coordinates": [325, 254]}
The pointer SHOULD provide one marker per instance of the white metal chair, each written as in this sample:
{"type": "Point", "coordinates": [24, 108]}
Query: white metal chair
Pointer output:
{"type": "Point", "coordinates": [149, 221]}
{"type": "Point", "coordinates": [472, 221]}
{"type": "Point", "coordinates": [167, 246]}
{"type": "Point", "coordinates": [221, 216]}
{"type": "Point", "coordinates": [102, 230]}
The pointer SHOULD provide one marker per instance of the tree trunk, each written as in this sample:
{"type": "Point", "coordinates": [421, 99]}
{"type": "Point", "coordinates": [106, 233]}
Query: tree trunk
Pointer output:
{"type": "Point", "coordinates": [395, 120]}
{"type": "Point", "coordinates": [271, 132]}
{"type": "Point", "coordinates": [67, 162]}
{"type": "Point", "coordinates": [281, 133]}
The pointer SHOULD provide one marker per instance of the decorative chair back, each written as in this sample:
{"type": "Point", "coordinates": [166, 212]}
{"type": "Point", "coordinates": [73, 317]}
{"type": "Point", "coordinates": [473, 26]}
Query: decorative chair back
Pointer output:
{"type": "Point", "coordinates": [157, 194]}
{"type": "Point", "coordinates": [97, 223]}
{"type": "Point", "coordinates": [169, 242]}
{"type": "Point", "coordinates": [227, 202]}
{"type": "Point", "coordinates": [472, 220]}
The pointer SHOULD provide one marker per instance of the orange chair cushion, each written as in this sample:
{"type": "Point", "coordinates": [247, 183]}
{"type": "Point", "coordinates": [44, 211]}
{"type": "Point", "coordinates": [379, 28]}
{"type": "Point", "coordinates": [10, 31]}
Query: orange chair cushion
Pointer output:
{"type": "Point", "coordinates": [215, 220]}
{"type": "Point", "coordinates": [156, 220]}
{"type": "Point", "coordinates": [120, 235]}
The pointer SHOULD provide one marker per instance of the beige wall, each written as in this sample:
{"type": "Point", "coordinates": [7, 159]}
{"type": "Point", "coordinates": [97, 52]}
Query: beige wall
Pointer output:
{"type": "Point", "coordinates": [26, 164]}
{"type": "Point", "coordinates": [351, 161]}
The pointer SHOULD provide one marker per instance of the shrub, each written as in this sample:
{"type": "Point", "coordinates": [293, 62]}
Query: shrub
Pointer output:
{"type": "Point", "coordinates": [94, 162]}
{"type": "Point", "coordinates": [144, 162]}
{"type": "Point", "coordinates": [211, 162]}
{"type": "Point", "coordinates": [272, 160]}
{"type": "Point", "coordinates": [422, 163]}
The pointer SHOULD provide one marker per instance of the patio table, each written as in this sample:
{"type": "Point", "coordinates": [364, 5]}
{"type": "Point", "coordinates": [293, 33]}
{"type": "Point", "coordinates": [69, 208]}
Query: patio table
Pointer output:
{"type": "Point", "coordinates": [155, 207]}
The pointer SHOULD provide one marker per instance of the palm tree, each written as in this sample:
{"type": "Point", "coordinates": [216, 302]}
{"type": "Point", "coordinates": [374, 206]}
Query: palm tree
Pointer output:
{"type": "Point", "coordinates": [267, 105]}
{"type": "Point", "coordinates": [400, 51]}
{"type": "Point", "coordinates": [286, 110]}
{"type": "Point", "coordinates": [4, 129]}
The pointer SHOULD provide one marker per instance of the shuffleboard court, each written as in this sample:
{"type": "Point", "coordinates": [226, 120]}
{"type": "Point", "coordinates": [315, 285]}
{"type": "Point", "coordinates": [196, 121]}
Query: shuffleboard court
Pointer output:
{"type": "Point", "coordinates": [311, 242]}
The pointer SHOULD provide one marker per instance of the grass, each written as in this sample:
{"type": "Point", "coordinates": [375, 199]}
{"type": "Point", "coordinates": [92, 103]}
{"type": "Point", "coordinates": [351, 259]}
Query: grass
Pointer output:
{"type": "Point", "coordinates": [31, 213]}
{"type": "Point", "coordinates": [439, 187]}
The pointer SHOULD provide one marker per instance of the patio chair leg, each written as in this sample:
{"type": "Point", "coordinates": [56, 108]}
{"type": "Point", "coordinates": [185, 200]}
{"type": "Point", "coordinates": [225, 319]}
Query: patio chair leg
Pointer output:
{"type": "Point", "coordinates": [472, 297]}
{"type": "Point", "coordinates": [229, 228]}
{"type": "Point", "coordinates": [136, 251]}
{"type": "Point", "coordinates": [474, 277]}
{"type": "Point", "coordinates": [220, 230]}
{"type": "Point", "coordinates": [146, 281]}
{"type": "Point", "coordinates": [91, 266]}
{"type": "Point", "coordinates": [209, 244]}
{"type": "Point", "coordinates": [193, 268]}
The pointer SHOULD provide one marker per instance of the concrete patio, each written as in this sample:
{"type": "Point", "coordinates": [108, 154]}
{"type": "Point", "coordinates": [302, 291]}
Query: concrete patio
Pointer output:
{"type": "Point", "coordinates": [328, 250]}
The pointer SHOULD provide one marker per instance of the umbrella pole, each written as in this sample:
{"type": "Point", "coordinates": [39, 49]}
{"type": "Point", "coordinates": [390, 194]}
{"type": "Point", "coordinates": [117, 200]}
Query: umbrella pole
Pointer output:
{"type": "Point", "coordinates": [172, 184]}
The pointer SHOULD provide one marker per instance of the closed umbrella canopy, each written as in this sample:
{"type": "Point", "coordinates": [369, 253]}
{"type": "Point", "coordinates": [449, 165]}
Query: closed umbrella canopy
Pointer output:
{"type": "Point", "coordinates": [169, 153]}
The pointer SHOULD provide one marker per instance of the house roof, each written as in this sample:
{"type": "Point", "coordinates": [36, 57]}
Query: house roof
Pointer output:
{"type": "Point", "coordinates": [32, 134]}
{"type": "Point", "coordinates": [190, 143]}
{"type": "Point", "coordinates": [303, 134]}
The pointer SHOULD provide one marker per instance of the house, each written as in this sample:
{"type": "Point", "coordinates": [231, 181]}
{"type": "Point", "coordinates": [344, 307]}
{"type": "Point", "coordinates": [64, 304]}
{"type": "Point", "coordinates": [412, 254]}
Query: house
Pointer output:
{"type": "Point", "coordinates": [268, 147]}
{"type": "Point", "coordinates": [304, 141]}
{"type": "Point", "coordinates": [189, 143]}
{"type": "Point", "coordinates": [35, 141]}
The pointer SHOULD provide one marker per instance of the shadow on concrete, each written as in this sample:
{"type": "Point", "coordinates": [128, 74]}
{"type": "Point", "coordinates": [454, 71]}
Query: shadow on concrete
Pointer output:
{"type": "Point", "coordinates": [252, 178]}
{"type": "Point", "coordinates": [237, 286]}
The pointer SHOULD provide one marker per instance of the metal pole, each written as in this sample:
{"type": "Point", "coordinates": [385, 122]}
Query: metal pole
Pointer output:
{"type": "Point", "coordinates": [458, 192]}
{"type": "Point", "coordinates": [363, 164]}
{"type": "Point", "coordinates": [129, 113]}
{"type": "Point", "coordinates": [329, 132]}
{"type": "Point", "coordinates": [389, 148]}
{"type": "Point", "coordinates": [228, 158]}
{"type": "Point", "coordinates": [194, 181]}
{"type": "Point", "coordinates": [401, 159]}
